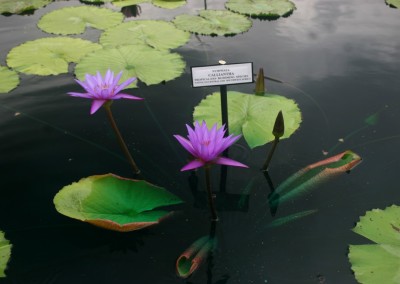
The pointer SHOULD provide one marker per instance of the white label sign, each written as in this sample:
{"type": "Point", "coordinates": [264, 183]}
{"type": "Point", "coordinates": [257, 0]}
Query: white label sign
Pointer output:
{"type": "Point", "coordinates": [218, 75]}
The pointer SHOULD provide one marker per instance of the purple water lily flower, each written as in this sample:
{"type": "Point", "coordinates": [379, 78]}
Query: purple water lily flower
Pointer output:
{"type": "Point", "coordinates": [101, 90]}
{"type": "Point", "coordinates": [206, 145]}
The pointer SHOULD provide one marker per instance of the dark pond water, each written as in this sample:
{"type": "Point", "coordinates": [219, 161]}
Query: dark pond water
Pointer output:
{"type": "Point", "coordinates": [342, 60]}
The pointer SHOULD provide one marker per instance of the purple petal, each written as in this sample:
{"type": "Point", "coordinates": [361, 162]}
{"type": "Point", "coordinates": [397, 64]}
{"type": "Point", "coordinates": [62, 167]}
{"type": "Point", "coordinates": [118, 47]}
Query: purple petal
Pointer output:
{"type": "Point", "coordinates": [96, 104]}
{"type": "Point", "coordinates": [228, 162]}
{"type": "Point", "coordinates": [124, 84]}
{"type": "Point", "coordinates": [193, 165]}
{"type": "Point", "coordinates": [81, 95]}
{"type": "Point", "coordinates": [126, 96]}
{"type": "Point", "coordinates": [186, 144]}
{"type": "Point", "coordinates": [116, 79]}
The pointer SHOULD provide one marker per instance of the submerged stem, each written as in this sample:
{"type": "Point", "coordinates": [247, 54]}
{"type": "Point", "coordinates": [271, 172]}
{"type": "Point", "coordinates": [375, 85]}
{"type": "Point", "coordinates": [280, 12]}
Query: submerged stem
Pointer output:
{"type": "Point", "coordinates": [271, 152]}
{"type": "Point", "coordinates": [214, 216]}
{"type": "Point", "coordinates": [121, 141]}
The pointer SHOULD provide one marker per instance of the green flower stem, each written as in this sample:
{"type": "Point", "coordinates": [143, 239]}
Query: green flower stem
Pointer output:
{"type": "Point", "coordinates": [271, 152]}
{"type": "Point", "coordinates": [121, 141]}
{"type": "Point", "coordinates": [214, 216]}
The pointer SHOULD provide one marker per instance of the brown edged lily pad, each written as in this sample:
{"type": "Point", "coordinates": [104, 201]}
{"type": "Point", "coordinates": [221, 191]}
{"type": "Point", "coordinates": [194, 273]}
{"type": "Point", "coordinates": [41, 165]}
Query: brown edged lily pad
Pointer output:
{"type": "Point", "coordinates": [114, 203]}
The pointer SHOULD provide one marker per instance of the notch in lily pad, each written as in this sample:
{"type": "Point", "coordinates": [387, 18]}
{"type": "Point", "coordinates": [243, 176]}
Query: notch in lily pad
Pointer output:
{"type": "Point", "coordinates": [114, 203]}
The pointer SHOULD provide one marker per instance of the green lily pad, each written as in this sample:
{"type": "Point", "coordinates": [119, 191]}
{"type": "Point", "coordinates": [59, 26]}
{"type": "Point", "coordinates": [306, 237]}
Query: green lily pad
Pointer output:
{"type": "Point", "coordinates": [125, 3]}
{"type": "Point", "coordinates": [250, 115]}
{"type": "Point", "coordinates": [378, 263]}
{"type": "Point", "coordinates": [270, 9]}
{"type": "Point", "coordinates": [157, 34]}
{"type": "Point", "coordinates": [5, 253]}
{"type": "Point", "coordinates": [49, 56]}
{"type": "Point", "coordinates": [169, 4]}
{"type": "Point", "coordinates": [213, 22]}
{"type": "Point", "coordinates": [393, 3]}
{"type": "Point", "coordinates": [8, 79]}
{"type": "Point", "coordinates": [74, 20]}
{"type": "Point", "coordinates": [114, 203]}
{"type": "Point", "coordinates": [21, 6]}
{"type": "Point", "coordinates": [151, 66]}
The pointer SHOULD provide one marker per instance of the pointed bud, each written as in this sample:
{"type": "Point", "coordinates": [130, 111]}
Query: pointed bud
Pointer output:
{"type": "Point", "coordinates": [279, 126]}
{"type": "Point", "coordinates": [260, 86]}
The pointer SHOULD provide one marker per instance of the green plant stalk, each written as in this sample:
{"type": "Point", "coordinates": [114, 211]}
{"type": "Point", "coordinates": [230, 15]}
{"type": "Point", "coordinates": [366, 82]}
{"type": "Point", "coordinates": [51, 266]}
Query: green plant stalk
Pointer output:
{"type": "Point", "coordinates": [214, 216]}
{"type": "Point", "coordinates": [270, 154]}
{"type": "Point", "coordinates": [121, 141]}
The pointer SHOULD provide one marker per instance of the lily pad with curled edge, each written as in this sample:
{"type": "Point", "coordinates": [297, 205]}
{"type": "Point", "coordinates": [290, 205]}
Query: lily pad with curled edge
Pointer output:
{"type": "Point", "coordinates": [393, 3]}
{"type": "Point", "coordinates": [114, 203]}
{"type": "Point", "coordinates": [268, 9]}
{"type": "Point", "coordinates": [213, 22]}
{"type": "Point", "coordinates": [5, 253]}
{"type": "Point", "coordinates": [74, 20]}
{"type": "Point", "coordinates": [380, 262]}
{"type": "Point", "coordinates": [49, 56]}
{"type": "Point", "coordinates": [157, 34]}
{"type": "Point", "coordinates": [149, 65]}
{"type": "Point", "coordinates": [21, 6]}
{"type": "Point", "coordinates": [250, 115]}
{"type": "Point", "coordinates": [8, 79]}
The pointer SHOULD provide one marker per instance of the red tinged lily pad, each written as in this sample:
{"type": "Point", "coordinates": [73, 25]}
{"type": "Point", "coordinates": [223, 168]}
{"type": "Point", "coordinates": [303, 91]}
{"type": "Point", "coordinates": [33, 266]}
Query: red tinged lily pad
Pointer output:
{"type": "Point", "coordinates": [114, 203]}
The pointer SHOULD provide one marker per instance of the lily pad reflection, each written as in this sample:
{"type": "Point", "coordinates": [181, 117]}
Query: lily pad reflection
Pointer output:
{"type": "Point", "coordinates": [114, 203]}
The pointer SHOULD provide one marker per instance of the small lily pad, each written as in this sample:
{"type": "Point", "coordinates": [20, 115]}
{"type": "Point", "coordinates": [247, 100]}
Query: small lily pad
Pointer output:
{"type": "Point", "coordinates": [49, 56]}
{"type": "Point", "coordinates": [378, 263]}
{"type": "Point", "coordinates": [270, 9]}
{"type": "Point", "coordinates": [74, 20]}
{"type": "Point", "coordinates": [250, 115]}
{"type": "Point", "coordinates": [393, 3]}
{"type": "Point", "coordinates": [5, 253]}
{"type": "Point", "coordinates": [114, 203]}
{"type": "Point", "coordinates": [8, 79]}
{"type": "Point", "coordinates": [157, 34]}
{"type": "Point", "coordinates": [213, 22]}
{"type": "Point", "coordinates": [169, 4]}
{"type": "Point", "coordinates": [151, 66]}
{"type": "Point", "coordinates": [21, 6]}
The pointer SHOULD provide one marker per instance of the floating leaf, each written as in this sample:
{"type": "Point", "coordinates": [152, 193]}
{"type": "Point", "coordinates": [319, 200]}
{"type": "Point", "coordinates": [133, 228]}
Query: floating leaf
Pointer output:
{"type": "Point", "coordinates": [270, 9]}
{"type": "Point", "coordinates": [21, 6]}
{"type": "Point", "coordinates": [169, 4]}
{"type": "Point", "coordinates": [393, 3]}
{"type": "Point", "coordinates": [74, 20]}
{"type": "Point", "coordinates": [378, 263]}
{"type": "Point", "coordinates": [250, 115]}
{"type": "Point", "coordinates": [149, 65]}
{"type": "Point", "coordinates": [312, 175]}
{"type": "Point", "coordinates": [157, 34]}
{"type": "Point", "coordinates": [49, 56]}
{"type": "Point", "coordinates": [213, 22]}
{"type": "Point", "coordinates": [114, 203]}
{"type": "Point", "coordinates": [125, 3]}
{"type": "Point", "coordinates": [8, 79]}
{"type": "Point", "coordinates": [190, 260]}
{"type": "Point", "coordinates": [5, 253]}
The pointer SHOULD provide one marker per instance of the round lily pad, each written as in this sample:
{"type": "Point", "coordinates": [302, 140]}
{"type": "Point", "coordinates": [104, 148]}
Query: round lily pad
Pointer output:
{"type": "Point", "coordinates": [157, 34]}
{"type": "Point", "coordinates": [21, 6]}
{"type": "Point", "coordinates": [393, 3]}
{"type": "Point", "coordinates": [213, 22]}
{"type": "Point", "coordinates": [149, 65]}
{"type": "Point", "coordinates": [250, 115]}
{"type": "Point", "coordinates": [169, 4]}
{"type": "Point", "coordinates": [49, 56]}
{"type": "Point", "coordinates": [378, 263]}
{"type": "Point", "coordinates": [5, 253]}
{"type": "Point", "coordinates": [270, 9]}
{"type": "Point", "coordinates": [114, 203]}
{"type": "Point", "coordinates": [74, 20]}
{"type": "Point", "coordinates": [8, 79]}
